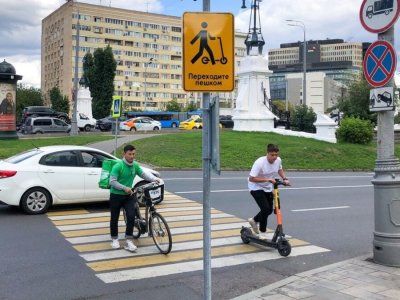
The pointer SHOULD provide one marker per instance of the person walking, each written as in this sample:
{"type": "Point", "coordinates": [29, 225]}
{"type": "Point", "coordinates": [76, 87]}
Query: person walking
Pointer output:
{"type": "Point", "coordinates": [121, 180]}
{"type": "Point", "coordinates": [260, 183]}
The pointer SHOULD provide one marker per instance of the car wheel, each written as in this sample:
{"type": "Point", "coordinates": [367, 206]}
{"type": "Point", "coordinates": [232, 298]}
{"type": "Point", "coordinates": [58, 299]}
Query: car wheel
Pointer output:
{"type": "Point", "coordinates": [173, 125]}
{"type": "Point", "coordinates": [133, 129]}
{"type": "Point", "coordinates": [35, 201]}
{"type": "Point", "coordinates": [156, 128]}
{"type": "Point", "coordinates": [87, 128]}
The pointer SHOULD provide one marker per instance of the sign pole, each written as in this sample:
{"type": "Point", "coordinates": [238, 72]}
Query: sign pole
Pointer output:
{"type": "Point", "coordinates": [386, 181]}
{"type": "Point", "coordinates": [206, 188]}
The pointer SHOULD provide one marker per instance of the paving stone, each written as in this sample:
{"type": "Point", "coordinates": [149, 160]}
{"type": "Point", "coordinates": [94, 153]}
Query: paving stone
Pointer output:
{"type": "Point", "coordinates": [392, 293]}
{"type": "Point", "coordinates": [351, 282]}
{"type": "Point", "coordinates": [336, 286]}
{"type": "Point", "coordinates": [274, 297]}
{"type": "Point", "coordinates": [294, 293]}
{"type": "Point", "coordinates": [363, 294]}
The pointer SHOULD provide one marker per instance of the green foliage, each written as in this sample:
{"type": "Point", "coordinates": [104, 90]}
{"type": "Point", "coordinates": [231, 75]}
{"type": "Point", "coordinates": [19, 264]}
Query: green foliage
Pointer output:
{"type": "Point", "coordinates": [27, 96]}
{"type": "Point", "coordinates": [58, 101]}
{"type": "Point", "coordinates": [88, 68]}
{"type": "Point", "coordinates": [100, 72]}
{"type": "Point", "coordinates": [281, 105]}
{"type": "Point", "coordinates": [356, 131]}
{"type": "Point", "coordinates": [397, 119]}
{"type": "Point", "coordinates": [191, 107]}
{"type": "Point", "coordinates": [173, 105]}
{"type": "Point", "coordinates": [356, 102]}
{"type": "Point", "coordinates": [302, 118]}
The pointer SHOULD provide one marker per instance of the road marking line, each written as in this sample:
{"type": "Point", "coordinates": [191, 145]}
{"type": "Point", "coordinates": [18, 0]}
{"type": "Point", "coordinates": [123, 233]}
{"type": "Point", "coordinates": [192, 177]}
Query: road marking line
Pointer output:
{"type": "Point", "coordinates": [177, 268]}
{"type": "Point", "coordinates": [176, 224]}
{"type": "Point", "coordinates": [66, 212]}
{"type": "Point", "coordinates": [285, 188]}
{"type": "Point", "coordinates": [320, 208]}
{"type": "Point", "coordinates": [145, 241]}
{"type": "Point", "coordinates": [106, 237]}
{"type": "Point", "coordinates": [183, 246]}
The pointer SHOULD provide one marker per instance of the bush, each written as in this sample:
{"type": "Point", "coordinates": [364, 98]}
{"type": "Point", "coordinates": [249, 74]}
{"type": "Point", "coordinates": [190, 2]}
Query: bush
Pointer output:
{"type": "Point", "coordinates": [303, 118]}
{"type": "Point", "coordinates": [355, 131]}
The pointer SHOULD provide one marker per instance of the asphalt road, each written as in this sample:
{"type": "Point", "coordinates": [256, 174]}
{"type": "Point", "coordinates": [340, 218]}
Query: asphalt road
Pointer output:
{"type": "Point", "coordinates": [329, 210]}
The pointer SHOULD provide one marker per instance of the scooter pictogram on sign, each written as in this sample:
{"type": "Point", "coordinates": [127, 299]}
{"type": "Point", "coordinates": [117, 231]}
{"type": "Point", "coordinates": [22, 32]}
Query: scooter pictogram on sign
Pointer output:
{"type": "Point", "coordinates": [204, 37]}
{"type": "Point", "coordinates": [379, 63]}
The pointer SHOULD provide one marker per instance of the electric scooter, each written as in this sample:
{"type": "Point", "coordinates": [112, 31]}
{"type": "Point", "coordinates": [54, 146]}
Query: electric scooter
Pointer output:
{"type": "Point", "coordinates": [205, 60]}
{"type": "Point", "coordinates": [278, 241]}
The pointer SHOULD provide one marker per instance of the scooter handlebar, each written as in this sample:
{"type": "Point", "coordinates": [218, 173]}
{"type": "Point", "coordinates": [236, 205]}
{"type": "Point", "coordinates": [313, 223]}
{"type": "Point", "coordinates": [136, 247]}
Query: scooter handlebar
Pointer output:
{"type": "Point", "coordinates": [279, 182]}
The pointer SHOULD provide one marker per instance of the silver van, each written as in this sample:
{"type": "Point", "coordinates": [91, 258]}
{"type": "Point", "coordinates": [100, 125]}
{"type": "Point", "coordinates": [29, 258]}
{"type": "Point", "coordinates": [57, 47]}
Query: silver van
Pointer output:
{"type": "Point", "coordinates": [44, 125]}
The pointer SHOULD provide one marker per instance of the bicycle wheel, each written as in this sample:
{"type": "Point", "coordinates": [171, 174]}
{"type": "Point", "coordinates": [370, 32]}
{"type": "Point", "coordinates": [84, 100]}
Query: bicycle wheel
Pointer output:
{"type": "Point", "coordinates": [160, 232]}
{"type": "Point", "coordinates": [136, 229]}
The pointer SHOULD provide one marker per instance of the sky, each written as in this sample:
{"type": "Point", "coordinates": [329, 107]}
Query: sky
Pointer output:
{"type": "Point", "coordinates": [20, 23]}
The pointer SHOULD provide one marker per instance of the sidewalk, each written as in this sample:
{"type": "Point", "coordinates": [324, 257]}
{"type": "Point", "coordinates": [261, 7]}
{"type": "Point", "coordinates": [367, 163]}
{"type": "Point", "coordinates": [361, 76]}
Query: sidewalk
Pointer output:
{"type": "Point", "coordinates": [357, 278]}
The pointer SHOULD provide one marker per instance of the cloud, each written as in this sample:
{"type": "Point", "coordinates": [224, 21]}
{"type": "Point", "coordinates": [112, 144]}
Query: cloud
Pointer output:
{"type": "Point", "coordinates": [20, 29]}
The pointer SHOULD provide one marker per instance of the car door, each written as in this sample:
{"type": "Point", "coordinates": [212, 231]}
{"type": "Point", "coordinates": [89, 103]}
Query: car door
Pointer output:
{"type": "Point", "coordinates": [62, 174]}
{"type": "Point", "coordinates": [92, 162]}
{"type": "Point", "coordinates": [146, 124]}
{"type": "Point", "coordinates": [60, 126]}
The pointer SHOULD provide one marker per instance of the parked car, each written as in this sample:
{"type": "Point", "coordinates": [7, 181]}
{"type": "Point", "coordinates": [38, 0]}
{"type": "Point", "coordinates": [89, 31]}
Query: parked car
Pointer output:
{"type": "Point", "coordinates": [85, 123]}
{"type": "Point", "coordinates": [44, 125]}
{"type": "Point", "coordinates": [43, 111]}
{"type": "Point", "coordinates": [36, 179]}
{"type": "Point", "coordinates": [105, 124]}
{"type": "Point", "coordinates": [226, 121]}
{"type": "Point", "coordinates": [140, 124]}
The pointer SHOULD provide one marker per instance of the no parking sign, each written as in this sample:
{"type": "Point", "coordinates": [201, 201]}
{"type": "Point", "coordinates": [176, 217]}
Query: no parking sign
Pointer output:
{"type": "Point", "coordinates": [379, 63]}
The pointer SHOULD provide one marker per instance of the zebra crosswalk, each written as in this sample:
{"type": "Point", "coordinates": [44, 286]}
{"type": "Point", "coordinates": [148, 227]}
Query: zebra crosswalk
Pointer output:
{"type": "Point", "coordinates": [89, 235]}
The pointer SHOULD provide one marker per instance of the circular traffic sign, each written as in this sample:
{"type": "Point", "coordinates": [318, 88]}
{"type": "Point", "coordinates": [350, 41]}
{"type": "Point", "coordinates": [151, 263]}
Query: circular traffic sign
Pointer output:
{"type": "Point", "coordinates": [378, 16]}
{"type": "Point", "coordinates": [379, 63]}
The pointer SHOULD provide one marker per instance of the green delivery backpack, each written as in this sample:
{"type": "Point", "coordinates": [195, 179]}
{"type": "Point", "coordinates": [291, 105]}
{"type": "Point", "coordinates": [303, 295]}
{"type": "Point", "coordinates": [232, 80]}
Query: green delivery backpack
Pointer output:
{"type": "Point", "coordinates": [106, 167]}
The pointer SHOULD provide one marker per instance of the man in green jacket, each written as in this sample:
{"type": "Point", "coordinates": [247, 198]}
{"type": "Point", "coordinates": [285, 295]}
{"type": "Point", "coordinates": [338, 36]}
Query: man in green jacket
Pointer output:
{"type": "Point", "coordinates": [121, 180]}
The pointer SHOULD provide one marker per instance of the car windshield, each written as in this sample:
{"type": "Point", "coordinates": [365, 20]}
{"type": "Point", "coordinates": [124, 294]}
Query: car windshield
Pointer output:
{"type": "Point", "coordinates": [23, 156]}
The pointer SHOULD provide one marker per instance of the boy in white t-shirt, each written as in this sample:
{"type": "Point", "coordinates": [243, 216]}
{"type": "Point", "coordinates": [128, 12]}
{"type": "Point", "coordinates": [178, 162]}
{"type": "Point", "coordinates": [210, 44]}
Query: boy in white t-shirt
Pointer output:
{"type": "Point", "coordinates": [260, 183]}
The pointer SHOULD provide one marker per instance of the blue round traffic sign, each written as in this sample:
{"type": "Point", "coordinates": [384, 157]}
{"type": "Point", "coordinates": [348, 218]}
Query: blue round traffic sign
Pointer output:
{"type": "Point", "coordinates": [379, 63]}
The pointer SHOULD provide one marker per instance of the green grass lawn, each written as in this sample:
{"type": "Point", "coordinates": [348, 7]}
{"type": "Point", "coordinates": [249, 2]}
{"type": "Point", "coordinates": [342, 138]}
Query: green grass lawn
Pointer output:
{"type": "Point", "coordinates": [238, 150]}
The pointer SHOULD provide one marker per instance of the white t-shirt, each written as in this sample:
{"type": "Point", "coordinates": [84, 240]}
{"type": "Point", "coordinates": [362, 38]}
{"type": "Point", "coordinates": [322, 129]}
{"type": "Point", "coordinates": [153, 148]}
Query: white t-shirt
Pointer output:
{"type": "Point", "coordinates": [262, 168]}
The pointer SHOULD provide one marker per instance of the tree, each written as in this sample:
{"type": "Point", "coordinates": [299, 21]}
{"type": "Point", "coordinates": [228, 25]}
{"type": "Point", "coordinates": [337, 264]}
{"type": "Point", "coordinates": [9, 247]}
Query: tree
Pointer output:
{"type": "Point", "coordinates": [173, 105]}
{"type": "Point", "coordinates": [100, 73]}
{"type": "Point", "coordinates": [303, 118]}
{"type": "Point", "coordinates": [58, 101]}
{"type": "Point", "coordinates": [356, 102]}
{"type": "Point", "coordinates": [191, 107]}
{"type": "Point", "coordinates": [88, 68]}
{"type": "Point", "coordinates": [27, 96]}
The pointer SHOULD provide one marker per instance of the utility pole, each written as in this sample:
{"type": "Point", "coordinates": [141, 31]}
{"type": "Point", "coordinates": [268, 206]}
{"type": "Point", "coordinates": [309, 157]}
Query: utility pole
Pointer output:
{"type": "Point", "coordinates": [74, 120]}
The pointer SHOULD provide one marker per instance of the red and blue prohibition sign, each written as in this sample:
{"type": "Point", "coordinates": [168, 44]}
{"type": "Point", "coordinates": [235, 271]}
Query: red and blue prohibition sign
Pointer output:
{"type": "Point", "coordinates": [379, 63]}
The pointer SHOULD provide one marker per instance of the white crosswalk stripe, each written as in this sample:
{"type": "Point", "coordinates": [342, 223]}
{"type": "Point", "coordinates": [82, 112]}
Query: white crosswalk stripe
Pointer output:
{"type": "Point", "coordinates": [89, 235]}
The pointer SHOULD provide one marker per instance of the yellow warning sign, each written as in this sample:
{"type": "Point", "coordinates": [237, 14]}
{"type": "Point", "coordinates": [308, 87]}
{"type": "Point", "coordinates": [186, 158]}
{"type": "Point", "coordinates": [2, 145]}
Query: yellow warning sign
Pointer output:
{"type": "Point", "coordinates": [208, 52]}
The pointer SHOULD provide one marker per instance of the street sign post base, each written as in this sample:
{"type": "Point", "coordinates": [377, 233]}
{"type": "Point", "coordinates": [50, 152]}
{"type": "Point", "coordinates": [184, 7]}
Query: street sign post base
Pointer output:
{"type": "Point", "coordinates": [386, 243]}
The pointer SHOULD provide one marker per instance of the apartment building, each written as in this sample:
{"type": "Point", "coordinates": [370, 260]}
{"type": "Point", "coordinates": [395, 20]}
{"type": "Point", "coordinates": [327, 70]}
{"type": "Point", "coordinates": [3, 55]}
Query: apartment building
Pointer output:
{"type": "Point", "coordinates": [146, 46]}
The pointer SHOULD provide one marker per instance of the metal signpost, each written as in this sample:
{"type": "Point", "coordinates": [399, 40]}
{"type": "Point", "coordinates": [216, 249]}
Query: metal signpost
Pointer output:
{"type": "Point", "coordinates": [116, 109]}
{"type": "Point", "coordinates": [208, 65]}
{"type": "Point", "coordinates": [379, 16]}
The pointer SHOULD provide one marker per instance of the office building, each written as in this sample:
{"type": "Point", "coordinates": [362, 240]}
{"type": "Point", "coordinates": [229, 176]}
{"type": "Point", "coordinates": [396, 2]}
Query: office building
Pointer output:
{"type": "Point", "coordinates": [146, 46]}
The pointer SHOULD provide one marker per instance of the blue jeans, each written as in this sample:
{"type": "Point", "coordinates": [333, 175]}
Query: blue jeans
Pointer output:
{"type": "Point", "coordinates": [116, 203]}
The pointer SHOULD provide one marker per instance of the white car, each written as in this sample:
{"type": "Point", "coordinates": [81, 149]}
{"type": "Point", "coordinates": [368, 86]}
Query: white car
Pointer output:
{"type": "Point", "coordinates": [140, 124]}
{"type": "Point", "coordinates": [52, 175]}
{"type": "Point", "coordinates": [85, 123]}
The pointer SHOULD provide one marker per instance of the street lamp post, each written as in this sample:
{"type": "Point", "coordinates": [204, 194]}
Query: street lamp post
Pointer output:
{"type": "Point", "coordinates": [301, 25]}
{"type": "Point", "coordinates": [74, 121]}
{"type": "Point", "coordinates": [146, 64]}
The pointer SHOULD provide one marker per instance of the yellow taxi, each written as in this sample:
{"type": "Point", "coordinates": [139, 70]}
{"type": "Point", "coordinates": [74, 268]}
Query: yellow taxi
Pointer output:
{"type": "Point", "coordinates": [195, 122]}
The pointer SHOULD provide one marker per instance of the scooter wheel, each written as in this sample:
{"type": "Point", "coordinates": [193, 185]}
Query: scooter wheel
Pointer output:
{"type": "Point", "coordinates": [244, 234]}
{"type": "Point", "coordinates": [284, 247]}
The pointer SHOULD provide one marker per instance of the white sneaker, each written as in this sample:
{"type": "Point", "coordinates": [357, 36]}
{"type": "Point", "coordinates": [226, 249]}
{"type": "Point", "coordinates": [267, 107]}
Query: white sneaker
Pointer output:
{"type": "Point", "coordinates": [262, 236]}
{"type": "Point", "coordinates": [130, 246]}
{"type": "Point", "coordinates": [253, 225]}
{"type": "Point", "coordinates": [115, 244]}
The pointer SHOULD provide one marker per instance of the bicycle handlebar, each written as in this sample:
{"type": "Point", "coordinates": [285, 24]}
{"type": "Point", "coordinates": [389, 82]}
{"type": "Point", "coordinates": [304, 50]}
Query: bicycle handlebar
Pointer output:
{"type": "Point", "coordinates": [145, 187]}
{"type": "Point", "coordinates": [278, 182]}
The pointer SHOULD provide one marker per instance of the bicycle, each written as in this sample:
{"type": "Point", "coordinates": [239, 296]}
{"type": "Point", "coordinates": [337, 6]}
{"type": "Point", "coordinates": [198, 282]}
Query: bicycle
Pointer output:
{"type": "Point", "coordinates": [153, 223]}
